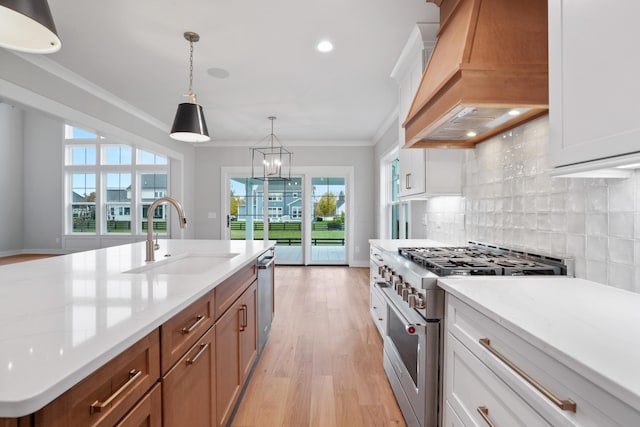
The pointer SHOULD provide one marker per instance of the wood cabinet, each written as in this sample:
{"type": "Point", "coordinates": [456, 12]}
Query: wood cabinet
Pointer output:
{"type": "Point", "coordinates": [593, 82]}
{"type": "Point", "coordinates": [105, 396]}
{"type": "Point", "coordinates": [236, 350]}
{"type": "Point", "coordinates": [147, 412]}
{"type": "Point", "coordinates": [492, 373]}
{"type": "Point", "coordinates": [189, 388]}
{"type": "Point", "coordinates": [185, 328]}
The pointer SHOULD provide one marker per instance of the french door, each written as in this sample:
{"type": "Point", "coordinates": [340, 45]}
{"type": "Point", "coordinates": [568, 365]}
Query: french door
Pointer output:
{"type": "Point", "coordinates": [307, 216]}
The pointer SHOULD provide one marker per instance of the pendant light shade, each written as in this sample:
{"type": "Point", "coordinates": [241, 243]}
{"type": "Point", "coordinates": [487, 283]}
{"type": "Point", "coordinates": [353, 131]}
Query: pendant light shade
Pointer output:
{"type": "Point", "coordinates": [27, 26]}
{"type": "Point", "coordinates": [189, 124]}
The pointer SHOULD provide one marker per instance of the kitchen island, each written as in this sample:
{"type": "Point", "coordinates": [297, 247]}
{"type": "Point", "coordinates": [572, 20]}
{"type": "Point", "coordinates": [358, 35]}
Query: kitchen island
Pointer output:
{"type": "Point", "coordinates": [63, 318]}
{"type": "Point", "coordinates": [576, 339]}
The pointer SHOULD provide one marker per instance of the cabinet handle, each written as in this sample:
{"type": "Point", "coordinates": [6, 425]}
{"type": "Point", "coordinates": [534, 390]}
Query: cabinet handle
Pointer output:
{"type": "Point", "coordinates": [245, 315]}
{"type": "Point", "coordinates": [199, 320]}
{"type": "Point", "coordinates": [565, 405]}
{"type": "Point", "coordinates": [98, 406]}
{"type": "Point", "coordinates": [407, 181]}
{"type": "Point", "coordinates": [241, 319]}
{"type": "Point", "coordinates": [194, 359]}
{"type": "Point", "coordinates": [484, 413]}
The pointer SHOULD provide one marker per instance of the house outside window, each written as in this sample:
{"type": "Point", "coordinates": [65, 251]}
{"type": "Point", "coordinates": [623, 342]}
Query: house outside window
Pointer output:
{"type": "Point", "coordinates": [110, 185]}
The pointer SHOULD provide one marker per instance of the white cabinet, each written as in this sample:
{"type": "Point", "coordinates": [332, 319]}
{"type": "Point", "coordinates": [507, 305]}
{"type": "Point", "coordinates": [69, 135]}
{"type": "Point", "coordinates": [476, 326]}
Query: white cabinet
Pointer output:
{"type": "Point", "coordinates": [490, 369]}
{"type": "Point", "coordinates": [430, 172]}
{"type": "Point", "coordinates": [377, 304]}
{"type": "Point", "coordinates": [593, 81]}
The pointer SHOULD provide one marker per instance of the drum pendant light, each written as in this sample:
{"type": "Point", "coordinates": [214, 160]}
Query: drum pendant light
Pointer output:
{"type": "Point", "coordinates": [189, 124]}
{"type": "Point", "coordinates": [27, 26]}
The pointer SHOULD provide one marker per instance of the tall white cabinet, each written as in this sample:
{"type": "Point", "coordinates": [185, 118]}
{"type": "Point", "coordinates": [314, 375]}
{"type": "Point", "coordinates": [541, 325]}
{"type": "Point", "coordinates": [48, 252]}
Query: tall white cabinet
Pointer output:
{"type": "Point", "coordinates": [594, 82]}
{"type": "Point", "coordinates": [423, 172]}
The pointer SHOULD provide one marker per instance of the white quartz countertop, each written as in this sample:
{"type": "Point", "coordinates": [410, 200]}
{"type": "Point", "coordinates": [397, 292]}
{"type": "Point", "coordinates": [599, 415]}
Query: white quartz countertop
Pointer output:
{"type": "Point", "coordinates": [61, 318]}
{"type": "Point", "coordinates": [392, 245]}
{"type": "Point", "coordinates": [589, 327]}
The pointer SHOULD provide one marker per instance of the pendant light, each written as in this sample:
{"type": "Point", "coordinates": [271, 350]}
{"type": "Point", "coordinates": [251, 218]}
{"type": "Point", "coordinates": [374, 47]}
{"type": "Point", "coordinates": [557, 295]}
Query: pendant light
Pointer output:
{"type": "Point", "coordinates": [189, 124]}
{"type": "Point", "coordinates": [270, 161]}
{"type": "Point", "coordinates": [27, 26]}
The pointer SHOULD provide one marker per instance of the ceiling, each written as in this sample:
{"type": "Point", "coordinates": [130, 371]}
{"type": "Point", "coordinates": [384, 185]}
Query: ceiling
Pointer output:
{"type": "Point", "coordinates": [136, 51]}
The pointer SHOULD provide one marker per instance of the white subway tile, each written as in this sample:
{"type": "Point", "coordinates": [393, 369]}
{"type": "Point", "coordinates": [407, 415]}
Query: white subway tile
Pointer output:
{"type": "Point", "coordinates": [621, 224]}
{"type": "Point", "coordinates": [597, 248]}
{"type": "Point", "coordinates": [596, 271]}
{"type": "Point", "coordinates": [575, 246]}
{"type": "Point", "coordinates": [621, 195]}
{"type": "Point", "coordinates": [621, 276]}
{"type": "Point", "coordinates": [597, 224]}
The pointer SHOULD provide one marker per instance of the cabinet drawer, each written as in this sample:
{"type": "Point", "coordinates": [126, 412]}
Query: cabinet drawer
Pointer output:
{"type": "Point", "coordinates": [594, 406]}
{"type": "Point", "coordinates": [471, 388]}
{"type": "Point", "coordinates": [183, 330]}
{"type": "Point", "coordinates": [148, 412]}
{"type": "Point", "coordinates": [450, 418]}
{"type": "Point", "coordinates": [229, 290]}
{"type": "Point", "coordinates": [378, 310]}
{"type": "Point", "coordinates": [105, 396]}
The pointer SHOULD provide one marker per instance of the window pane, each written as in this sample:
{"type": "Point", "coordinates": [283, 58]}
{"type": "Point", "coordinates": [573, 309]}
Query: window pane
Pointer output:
{"type": "Point", "coordinates": [118, 215]}
{"type": "Point", "coordinates": [395, 180]}
{"type": "Point", "coordinates": [118, 187]}
{"type": "Point", "coordinates": [83, 155]}
{"type": "Point", "coordinates": [83, 193]}
{"type": "Point", "coordinates": [117, 155]}
{"type": "Point", "coordinates": [71, 132]}
{"type": "Point", "coordinates": [83, 187]}
{"type": "Point", "coordinates": [153, 186]}
{"type": "Point", "coordinates": [147, 158]}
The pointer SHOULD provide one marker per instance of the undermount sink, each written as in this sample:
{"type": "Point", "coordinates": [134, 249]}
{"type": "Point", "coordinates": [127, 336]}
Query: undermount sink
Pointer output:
{"type": "Point", "coordinates": [187, 263]}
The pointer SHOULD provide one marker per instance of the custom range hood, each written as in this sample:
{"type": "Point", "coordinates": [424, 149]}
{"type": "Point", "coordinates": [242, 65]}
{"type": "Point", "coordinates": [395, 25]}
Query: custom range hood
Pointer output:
{"type": "Point", "coordinates": [487, 73]}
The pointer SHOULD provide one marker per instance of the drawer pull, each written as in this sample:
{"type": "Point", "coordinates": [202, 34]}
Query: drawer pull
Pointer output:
{"type": "Point", "coordinates": [484, 413]}
{"type": "Point", "coordinates": [245, 314]}
{"type": "Point", "coordinates": [190, 329]}
{"type": "Point", "coordinates": [241, 319]}
{"type": "Point", "coordinates": [565, 405]}
{"type": "Point", "coordinates": [194, 359]}
{"type": "Point", "coordinates": [98, 406]}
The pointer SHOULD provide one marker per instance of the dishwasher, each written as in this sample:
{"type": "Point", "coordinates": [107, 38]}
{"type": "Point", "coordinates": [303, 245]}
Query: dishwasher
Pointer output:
{"type": "Point", "coordinates": [266, 303]}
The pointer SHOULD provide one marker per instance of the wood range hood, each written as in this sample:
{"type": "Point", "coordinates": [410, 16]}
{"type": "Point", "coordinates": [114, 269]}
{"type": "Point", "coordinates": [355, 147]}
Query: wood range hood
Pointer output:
{"type": "Point", "coordinates": [488, 73]}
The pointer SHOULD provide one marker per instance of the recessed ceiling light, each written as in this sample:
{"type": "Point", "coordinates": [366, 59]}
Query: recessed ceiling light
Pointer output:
{"type": "Point", "coordinates": [471, 134]}
{"type": "Point", "coordinates": [325, 46]}
{"type": "Point", "coordinates": [514, 112]}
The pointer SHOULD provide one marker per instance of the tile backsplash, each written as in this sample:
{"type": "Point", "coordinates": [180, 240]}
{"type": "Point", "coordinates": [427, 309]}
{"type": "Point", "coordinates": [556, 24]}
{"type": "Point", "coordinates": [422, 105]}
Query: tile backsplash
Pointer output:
{"type": "Point", "coordinates": [509, 200]}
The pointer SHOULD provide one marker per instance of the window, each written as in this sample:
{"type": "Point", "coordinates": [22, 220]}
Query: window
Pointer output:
{"type": "Point", "coordinates": [275, 212]}
{"type": "Point", "coordinates": [296, 212]}
{"type": "Point", "coordinates": [83, 203]}
{"type": "Point", "coordinates": [275, 197]}
{"type": "Point", "coordinates": [110, 185]}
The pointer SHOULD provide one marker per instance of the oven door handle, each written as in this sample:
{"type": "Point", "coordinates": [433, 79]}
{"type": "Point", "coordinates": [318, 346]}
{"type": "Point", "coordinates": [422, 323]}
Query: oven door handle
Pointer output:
{"type": "Point", "coordinates": [411, 328]}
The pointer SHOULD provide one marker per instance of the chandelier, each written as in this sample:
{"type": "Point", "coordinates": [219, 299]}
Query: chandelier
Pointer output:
{"type": "Point", "coordinates": [270, 161]}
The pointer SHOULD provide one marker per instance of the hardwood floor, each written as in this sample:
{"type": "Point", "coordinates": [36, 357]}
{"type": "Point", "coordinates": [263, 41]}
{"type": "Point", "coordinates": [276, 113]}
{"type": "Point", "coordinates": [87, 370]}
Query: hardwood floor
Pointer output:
{"type": "Point", "coordinates": [23, 257]}
{"type": "Point", "coordinates": [322, 365]}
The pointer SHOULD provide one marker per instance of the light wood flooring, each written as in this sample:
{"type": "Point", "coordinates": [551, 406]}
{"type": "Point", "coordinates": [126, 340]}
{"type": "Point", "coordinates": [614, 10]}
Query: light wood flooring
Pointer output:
{"type": "Point", "coordinates": [23, 257]}
{"type": "Point", "coordinates": [322, 365]}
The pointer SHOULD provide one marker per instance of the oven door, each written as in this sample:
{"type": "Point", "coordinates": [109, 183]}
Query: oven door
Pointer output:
{"type": "Point", "coordinates": [412, 360]}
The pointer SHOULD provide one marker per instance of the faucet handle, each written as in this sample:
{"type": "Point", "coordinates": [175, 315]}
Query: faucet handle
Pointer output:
{"type": "Point", "coordinates": [156, 246]}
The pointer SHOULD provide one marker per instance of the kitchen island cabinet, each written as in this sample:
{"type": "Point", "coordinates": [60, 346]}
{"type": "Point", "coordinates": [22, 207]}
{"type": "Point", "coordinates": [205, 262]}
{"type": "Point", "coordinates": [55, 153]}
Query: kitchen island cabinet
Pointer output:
{"type": "Point", "coordinates": [113, 364]}
{"type": "Point", "coordinates": [539, 351]}
{"type": "Point", "coordinates": [593, 77]}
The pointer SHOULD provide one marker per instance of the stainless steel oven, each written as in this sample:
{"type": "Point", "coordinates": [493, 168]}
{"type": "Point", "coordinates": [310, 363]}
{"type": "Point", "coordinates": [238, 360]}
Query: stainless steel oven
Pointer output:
{"type": "Point", "coordinates": [406, 279]}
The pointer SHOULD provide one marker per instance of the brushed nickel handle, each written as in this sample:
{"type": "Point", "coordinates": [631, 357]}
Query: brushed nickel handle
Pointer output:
{"type": "Point", "coordinates": [565, 405]}
{"type": "Point", "coordinates": [98, 406]}
{"type": "Point", "coordinates": [484, 413]}
{"type": "Point", "coordinates": [407, 181]}
{"type": "Point", "coordinates": [241, 319]}
{"type": "Point", "coordinates": [190, 329]}
{"type": "Point", "coordinates": [194, 359]}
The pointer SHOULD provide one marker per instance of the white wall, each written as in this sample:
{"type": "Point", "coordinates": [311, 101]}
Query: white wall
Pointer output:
{"type": "Point", "coordinates": [42, 200]}
{"type": "Point", "coordinates": [209, 160]}
{"type": "Point", "coordinates": [11, 180]}
{"type": "Point", "coordinates": [511, 201]}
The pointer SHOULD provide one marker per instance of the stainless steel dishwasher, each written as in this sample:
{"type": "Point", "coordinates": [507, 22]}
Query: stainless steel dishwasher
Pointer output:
{"type": "Point", "coordinates": [266, 304]}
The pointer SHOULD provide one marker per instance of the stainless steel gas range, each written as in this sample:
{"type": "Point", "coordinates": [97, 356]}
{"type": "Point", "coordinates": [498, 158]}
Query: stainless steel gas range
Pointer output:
{"type": "Point", "coordinates": [410, 320]}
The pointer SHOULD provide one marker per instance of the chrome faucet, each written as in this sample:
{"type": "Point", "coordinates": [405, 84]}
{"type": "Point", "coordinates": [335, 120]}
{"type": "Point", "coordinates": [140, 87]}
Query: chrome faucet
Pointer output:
{"type": "Point", "coordinates": [152, 209]}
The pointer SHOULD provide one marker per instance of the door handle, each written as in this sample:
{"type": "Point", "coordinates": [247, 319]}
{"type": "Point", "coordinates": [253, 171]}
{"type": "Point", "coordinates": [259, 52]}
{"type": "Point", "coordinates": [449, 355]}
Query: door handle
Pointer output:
{"type": "Point", "coordinates": [228, 221]}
